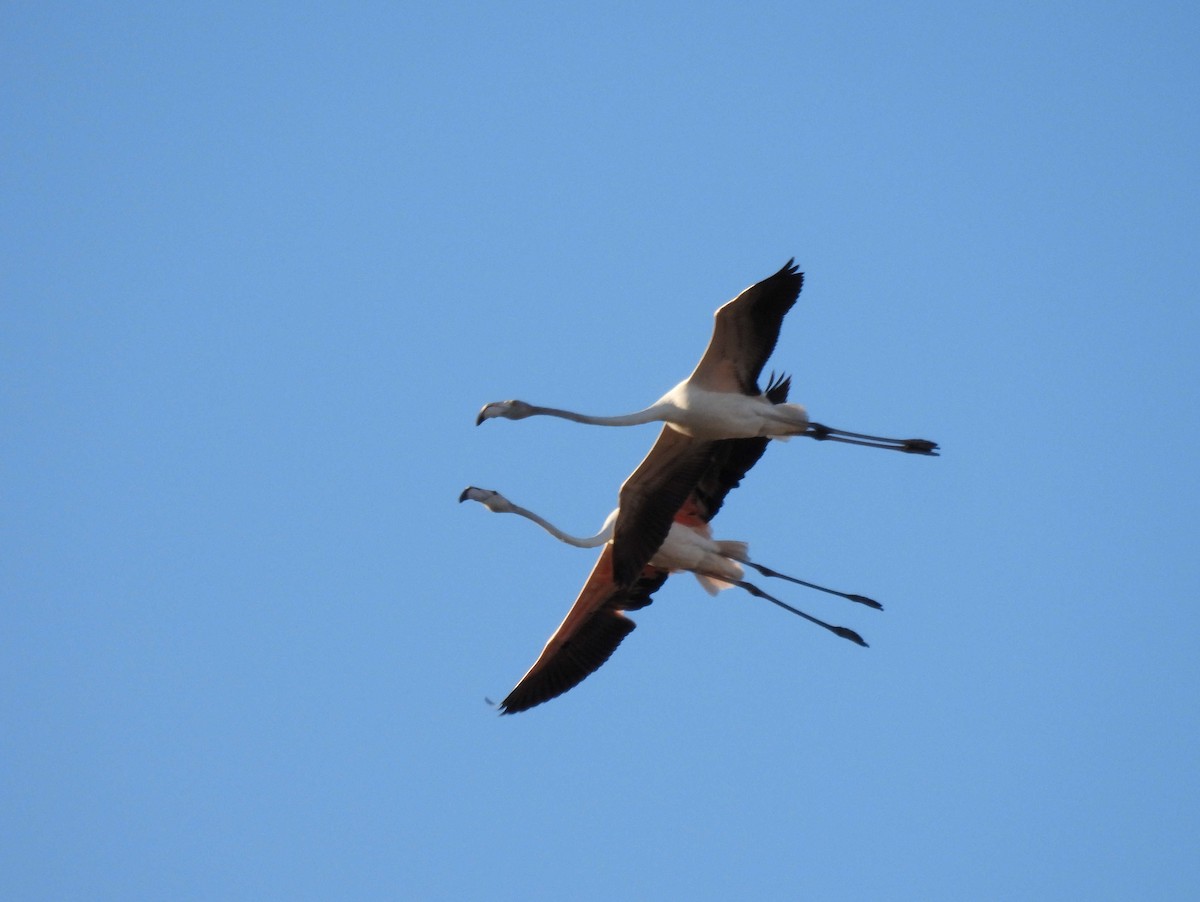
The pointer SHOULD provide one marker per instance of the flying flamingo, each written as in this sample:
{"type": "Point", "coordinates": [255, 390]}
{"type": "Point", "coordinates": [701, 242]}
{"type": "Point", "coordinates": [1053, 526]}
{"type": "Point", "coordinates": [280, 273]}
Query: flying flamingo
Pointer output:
{"type": "Point", "coordinates": [596, 623]}
{"type": "Point", "coordinates": [689, 546]}
{"type": "Point", "coordinates": [720, 400]}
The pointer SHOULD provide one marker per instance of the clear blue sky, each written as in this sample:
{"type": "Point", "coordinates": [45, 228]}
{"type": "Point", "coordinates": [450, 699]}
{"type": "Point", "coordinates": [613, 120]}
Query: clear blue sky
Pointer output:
{"type": "Point", "coordinates": [262, 264]}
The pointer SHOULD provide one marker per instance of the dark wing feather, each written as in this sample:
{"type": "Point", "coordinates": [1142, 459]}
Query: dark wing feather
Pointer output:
{"type": "Point", "coordinates": [587, 637]}
{"type": "Point", "coordinates": [650, 498]}
{"type": "Point", "coordinates": [733, 458]}
{"type": "Point", "coordinates": [745, 333]}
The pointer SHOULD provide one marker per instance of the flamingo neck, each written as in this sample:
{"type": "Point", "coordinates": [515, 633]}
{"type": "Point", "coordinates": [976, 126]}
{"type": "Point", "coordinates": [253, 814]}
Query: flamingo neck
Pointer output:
{"type": "Point", "coordinates": [637, 418]}
{"type": "Point", "coordinates": [599, 538]}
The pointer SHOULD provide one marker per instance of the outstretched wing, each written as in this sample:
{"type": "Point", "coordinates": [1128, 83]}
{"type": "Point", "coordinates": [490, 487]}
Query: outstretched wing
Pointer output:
{"type": "Point", "coordinates": [676, 469]}
{"type": "Point", "coordinates": [587, 637]}
{"type": "Point", "coordinates": [745, 333]}
{"type": "Point", "coordinates": [650, 498]}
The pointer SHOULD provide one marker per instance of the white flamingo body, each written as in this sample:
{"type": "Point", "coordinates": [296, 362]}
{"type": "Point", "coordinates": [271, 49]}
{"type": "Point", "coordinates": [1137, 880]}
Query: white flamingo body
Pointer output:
{"type": "Point", "coordinates": [708, 415]}
{"type": "Point", "coordinates": [716, 563]}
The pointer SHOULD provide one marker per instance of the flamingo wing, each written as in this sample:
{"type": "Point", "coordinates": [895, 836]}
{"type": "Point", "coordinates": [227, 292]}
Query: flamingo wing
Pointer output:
{"type": "Point", "coordinates": [732, 459]}
{"type": "Point", "coordinates": [587, 637]}
{"type": "Point", "coordinates": [650, 498]}
{"type": "Point", "coordinates": [745, 333]}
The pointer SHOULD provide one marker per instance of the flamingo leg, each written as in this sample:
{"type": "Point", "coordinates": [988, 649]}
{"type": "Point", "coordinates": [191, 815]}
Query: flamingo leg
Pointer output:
{"type": "Point", "coordinates": [859, 599]}
{"type": "Point", "coordinates": [823, 433]}
{"type": "Point", "coordinates": [842, 631]}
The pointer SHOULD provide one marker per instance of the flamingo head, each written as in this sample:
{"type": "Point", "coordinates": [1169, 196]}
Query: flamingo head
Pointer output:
{"type": "Point", "coordinates": [493, 501]}
{"type": "Point", "coordinates": [510, 410]}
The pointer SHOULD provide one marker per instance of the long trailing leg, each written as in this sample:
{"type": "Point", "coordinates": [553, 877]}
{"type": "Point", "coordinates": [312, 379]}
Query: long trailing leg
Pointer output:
{"type": "Point", "coordinates": [823, 433]}
{"type": "Point", "coordinates": [842, 631]}
{"type": "Point", "coordinates": [849, 596]}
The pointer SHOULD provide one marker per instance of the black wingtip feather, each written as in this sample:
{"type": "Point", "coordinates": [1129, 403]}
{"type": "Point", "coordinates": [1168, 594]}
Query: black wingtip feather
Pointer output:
{"type": "Point", "coordinates": [575, 662]}
{"type": "Point", "coordinates": [778, 387]}
{"type": "Point", "coordinates": [589, 649]}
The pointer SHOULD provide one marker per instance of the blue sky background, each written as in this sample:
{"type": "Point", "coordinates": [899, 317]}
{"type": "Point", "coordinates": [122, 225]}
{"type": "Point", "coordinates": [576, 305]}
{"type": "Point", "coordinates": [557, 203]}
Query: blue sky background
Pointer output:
{"type": "Point", "coordinates": [261, 265]}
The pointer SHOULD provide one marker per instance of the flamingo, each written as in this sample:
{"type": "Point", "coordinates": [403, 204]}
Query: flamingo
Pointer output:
{"type": "Point", "coordinates": [596, 623]}
{"type": "Point", "coordinates": [689, 546]}
{"type": "Point", "coordinates": [719, 401]}
{"type": "Point", "coordinates": [721, 398]}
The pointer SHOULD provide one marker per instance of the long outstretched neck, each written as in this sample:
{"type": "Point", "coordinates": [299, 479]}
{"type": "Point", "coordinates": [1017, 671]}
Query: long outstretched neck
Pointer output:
{"type": "Point", "coordinates": [590, 542]}
{"type": "Point", "coordinates": [648, 415]}
{"type": "Point", "coordinates": [844, 632]}
{"type": "Point", "coordinates": [849, 596]}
